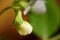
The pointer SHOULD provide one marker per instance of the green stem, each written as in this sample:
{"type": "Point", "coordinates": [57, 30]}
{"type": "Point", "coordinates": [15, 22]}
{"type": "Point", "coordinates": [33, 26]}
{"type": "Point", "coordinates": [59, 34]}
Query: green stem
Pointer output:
{"type": "Point", "coordinates": [4, 10]}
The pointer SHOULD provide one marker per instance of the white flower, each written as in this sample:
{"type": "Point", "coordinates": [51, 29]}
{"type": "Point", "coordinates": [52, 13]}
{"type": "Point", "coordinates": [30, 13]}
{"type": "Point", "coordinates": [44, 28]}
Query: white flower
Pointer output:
{"type": "Point", "coordinates": [25, 28]}
{"type": "Point", "coordinates": [39, 7]}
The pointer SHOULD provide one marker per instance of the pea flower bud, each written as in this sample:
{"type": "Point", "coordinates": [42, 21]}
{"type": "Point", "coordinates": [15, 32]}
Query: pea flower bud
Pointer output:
{"type": "Point", "coordinates": [39, 7]}
{"type": "Point", "coordinates": [24, 27]}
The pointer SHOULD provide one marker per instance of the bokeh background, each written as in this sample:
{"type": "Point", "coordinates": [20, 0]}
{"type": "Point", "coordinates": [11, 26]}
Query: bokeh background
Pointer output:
{"type": "Point", "coordinates": [7, 29]}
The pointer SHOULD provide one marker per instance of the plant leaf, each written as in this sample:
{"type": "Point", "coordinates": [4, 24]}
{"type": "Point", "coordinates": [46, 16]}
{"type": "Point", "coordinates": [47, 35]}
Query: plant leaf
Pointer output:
{"type": "Point", "coordinates": [45, 24]}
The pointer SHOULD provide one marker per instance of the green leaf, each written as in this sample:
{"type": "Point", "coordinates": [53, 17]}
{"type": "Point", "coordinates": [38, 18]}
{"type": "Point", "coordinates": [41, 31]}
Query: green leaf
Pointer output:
{"type": "Point", "coordinates": [44, 25]}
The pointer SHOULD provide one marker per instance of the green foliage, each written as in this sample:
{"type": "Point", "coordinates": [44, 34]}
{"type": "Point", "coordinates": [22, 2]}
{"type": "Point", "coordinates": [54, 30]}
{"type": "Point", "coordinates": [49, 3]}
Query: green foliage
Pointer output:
{"type": "Point", "coordinates": [45, 24]}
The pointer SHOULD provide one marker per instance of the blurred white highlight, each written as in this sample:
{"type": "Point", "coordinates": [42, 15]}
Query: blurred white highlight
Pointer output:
{"type": "Point", "coordinates": [27, 10]}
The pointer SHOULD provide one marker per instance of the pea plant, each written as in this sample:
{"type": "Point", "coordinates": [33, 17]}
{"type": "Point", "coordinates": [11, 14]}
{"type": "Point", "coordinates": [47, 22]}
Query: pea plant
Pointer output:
{"type": "Point", "coordinates": [43, 16]}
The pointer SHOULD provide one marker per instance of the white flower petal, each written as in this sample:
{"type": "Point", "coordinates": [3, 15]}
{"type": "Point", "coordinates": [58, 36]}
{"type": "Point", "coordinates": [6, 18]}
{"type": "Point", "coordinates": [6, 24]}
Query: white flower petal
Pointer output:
{"type": "Point", "coordinates": [39, 7]}
{"type": "Point", "coordinates": [25, 28]}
